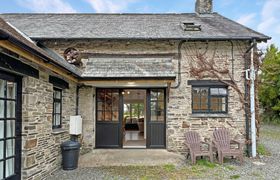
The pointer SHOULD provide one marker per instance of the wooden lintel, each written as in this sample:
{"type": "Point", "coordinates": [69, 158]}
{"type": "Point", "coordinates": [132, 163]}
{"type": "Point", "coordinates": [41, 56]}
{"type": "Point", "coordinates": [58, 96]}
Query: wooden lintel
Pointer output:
{"type": "Point", "coordinates": [31, 57]}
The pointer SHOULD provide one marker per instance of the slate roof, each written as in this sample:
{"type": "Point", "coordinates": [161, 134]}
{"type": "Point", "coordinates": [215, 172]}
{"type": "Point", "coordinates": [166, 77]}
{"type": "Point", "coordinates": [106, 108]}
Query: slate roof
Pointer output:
{"type": "Point", "coordinates": [130, 26]}
{"type": "Point", "coordinates": [127, 67]}
{"type": "Point", "coordinates": [21, 40]}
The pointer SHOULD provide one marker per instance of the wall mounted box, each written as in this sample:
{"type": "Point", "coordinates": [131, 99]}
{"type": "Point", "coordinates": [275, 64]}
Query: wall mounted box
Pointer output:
{"type": "Point", "coordinates": [75, 127]}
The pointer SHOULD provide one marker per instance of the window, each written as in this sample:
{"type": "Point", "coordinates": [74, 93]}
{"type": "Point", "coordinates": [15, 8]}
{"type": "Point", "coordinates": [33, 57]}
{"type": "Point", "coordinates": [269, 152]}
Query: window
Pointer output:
{"type": "Point", "coordinates": [209, 99]}
{"type": "Point", "coordinates": [157, 105]}
{"type": "Point", "coordinates": [8, 117]}
{"type": "Point", "coordinates": [108, 105]}
{"type": "Point", "coordinates": [57, 105]}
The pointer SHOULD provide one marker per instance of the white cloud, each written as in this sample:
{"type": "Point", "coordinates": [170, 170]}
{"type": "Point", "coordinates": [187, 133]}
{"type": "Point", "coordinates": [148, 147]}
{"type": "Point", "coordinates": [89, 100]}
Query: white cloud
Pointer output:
{"type": "Point", "coordinates": [109, 6]}
{"type": "Point", "coordinates": [47, 6]}
{"type": "Point", "coordinates": [270, 21]}
{"type": "Point", "coordinates": [270, 16]}
{"type": "Point", "coordinates": [247, 19]}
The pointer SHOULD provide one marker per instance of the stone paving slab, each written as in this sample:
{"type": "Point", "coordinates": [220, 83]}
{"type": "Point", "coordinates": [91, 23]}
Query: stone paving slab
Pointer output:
{"type": "Point", "coordinates": [125, 157]}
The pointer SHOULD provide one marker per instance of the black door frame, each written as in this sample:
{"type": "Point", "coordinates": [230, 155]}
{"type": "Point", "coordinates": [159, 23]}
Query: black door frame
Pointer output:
{"type": "Point", "coordinates": [18, 124]}
{"type": "Point", "coordinates": [120, 122]}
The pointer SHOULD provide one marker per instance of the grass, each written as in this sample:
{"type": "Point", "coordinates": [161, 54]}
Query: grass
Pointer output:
{"type": "Point", "coordinates": [202, 169]}
{"type": "Point", "coordinates": [236, 176]}
{"type": "Point", "coordinates": [169, 167]}
{"type": "Point", "coordinates": [261, 150]}
{"type": "Point", "coordinates": [208, 164]}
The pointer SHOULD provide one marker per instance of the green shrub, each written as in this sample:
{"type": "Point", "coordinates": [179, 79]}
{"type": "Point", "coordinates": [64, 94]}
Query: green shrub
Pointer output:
{"type": "Point", "coordinates": [269, 86]}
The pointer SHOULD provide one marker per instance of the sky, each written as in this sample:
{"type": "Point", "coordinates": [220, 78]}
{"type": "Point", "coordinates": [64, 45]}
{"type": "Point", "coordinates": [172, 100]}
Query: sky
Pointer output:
{"type": "Point", "coordinates": [260, 15]}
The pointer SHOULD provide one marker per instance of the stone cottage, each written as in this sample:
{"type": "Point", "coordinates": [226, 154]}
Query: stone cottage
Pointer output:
{"type": "Point", "coordinates": [137, 80]}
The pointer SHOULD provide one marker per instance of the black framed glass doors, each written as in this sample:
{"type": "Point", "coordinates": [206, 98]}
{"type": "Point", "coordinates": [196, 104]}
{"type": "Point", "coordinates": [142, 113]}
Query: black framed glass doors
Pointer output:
{"type": "Point", "coordinates": [117, 123]}
{"type": "Point", "coordinates": [10, 126]}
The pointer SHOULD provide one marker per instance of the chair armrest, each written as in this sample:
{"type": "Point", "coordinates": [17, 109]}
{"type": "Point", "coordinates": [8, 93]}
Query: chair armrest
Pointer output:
{"type": "Point", "coordinates": [216, 145]}
{"type": "Point", "coordinates": [240, 145]}
{"type": "Point", "coordinates": [187, 144]}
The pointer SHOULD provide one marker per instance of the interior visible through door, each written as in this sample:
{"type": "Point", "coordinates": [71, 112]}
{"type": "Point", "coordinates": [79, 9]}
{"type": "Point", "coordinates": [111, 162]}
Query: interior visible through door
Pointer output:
{"type": "Point", "coordinates": [134, 118]}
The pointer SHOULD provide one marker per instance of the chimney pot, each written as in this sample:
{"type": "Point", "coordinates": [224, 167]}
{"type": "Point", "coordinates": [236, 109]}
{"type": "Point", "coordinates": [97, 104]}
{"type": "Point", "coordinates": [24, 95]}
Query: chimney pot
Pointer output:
{"type": "Point", "coordinates": [204, 6]}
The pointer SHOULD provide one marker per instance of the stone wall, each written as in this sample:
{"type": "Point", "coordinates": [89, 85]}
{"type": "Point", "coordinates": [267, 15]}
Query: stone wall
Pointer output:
{"type": "Point", "coordinates": [40, 144]}
{"type": "Point", "coordinates": [180, 118]}
{"type": "Point", "coordinates": [179, 114]}
{"type": "Point", "coordinates": [87, 111]}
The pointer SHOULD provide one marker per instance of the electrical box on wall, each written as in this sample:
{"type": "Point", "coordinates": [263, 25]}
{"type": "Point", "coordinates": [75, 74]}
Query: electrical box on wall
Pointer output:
{"type": "Point", "coordinates": [75, 125]}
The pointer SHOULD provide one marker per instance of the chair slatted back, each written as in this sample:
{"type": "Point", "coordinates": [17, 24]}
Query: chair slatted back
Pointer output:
{"type": "Point", "coordinates": [222, 137]}
{"type": "Point", "coordinates": [193, 139]}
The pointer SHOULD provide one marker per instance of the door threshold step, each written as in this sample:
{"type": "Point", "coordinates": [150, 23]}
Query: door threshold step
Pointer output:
{"type": "Point", "coordinates": [131, 147]}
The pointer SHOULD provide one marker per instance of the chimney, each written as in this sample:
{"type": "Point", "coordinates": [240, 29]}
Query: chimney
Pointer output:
{"type": "Point", "coordinates": [204, 6]}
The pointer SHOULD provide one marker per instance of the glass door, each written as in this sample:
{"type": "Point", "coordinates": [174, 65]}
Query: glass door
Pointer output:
{"type": "Point", "coordinates": [156, 115]}
{"type": "Point", "coordinates": [9, 128]}
{"type": "Point", "coordinates": [108, 124]}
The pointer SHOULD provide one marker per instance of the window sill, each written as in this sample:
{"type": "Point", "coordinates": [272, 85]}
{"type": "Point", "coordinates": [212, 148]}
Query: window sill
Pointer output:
{"type": "Point", "coordinates": [206, 115]}
{"type": "Point", "coordinates": [58, 131]}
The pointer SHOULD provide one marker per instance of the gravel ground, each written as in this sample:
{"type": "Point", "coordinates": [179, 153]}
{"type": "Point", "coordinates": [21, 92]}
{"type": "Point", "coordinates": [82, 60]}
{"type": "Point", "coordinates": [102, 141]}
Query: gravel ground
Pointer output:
{"type": "Point", "coordinates": [264, 167]}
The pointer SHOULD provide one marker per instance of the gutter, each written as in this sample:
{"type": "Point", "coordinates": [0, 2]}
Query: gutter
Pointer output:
{"type": "Point", "coordinates": [8, 37]}
{"type": "Point", "coordinates": [247, 79]}
{"type": "Point", "coordinates": [179, 64]}
{"type": "Point", "coordinates": [259, 39]}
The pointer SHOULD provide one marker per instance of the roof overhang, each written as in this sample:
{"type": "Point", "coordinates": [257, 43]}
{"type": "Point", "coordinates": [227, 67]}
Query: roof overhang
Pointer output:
{"type": "Point", "coordinates": [127, 83]}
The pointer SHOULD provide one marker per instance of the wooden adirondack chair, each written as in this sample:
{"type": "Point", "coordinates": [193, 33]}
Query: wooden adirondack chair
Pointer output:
{"type": "Point", "coordinates": [223, 143]}
{"type": "Point", "coordinates": [194, 144]}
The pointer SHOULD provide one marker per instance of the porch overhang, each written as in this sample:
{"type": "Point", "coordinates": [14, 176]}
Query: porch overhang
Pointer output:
{"type": "Point", "coordinates": [129, 69]}
{"type": "Point", "coordinates": [128, 83]}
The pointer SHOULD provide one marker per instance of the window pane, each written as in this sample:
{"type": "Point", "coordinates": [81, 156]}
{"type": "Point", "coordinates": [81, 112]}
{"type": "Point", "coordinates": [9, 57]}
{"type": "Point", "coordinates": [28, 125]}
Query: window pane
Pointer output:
{"type": "Point", "coordinates": [11, 105]}
{"type": "Point", "coordinates": [160, 115]}
{"type": "Point", "coordinates": [154, 95]}
{"type": "Point", "coordinates": [200, 99]}
{"type": "Point", "coordinates": [1, 170]}
{"type": "Point", "coordinates": [10, 128]}
{"type": "Point", "coordinates": [1, 149]}
{"type": "Point", "coordinates": [108, 115]}
{"type": "Point", "coordinates": [100, 105]}
{"type": "Point", "coordinates": [101, 95]}
{"type": "Point", "coordinates": [222, 91]}
{"type": "Point", "coordinates": [10, 147]}
{"type": "Point", "coordinates": [57, 107]}
{"type": "Point", "coordinates": [218, 104]}
{"type": "Point", "coordinates": [214, 91]}
{"type": "Point", "coordinates": [57, 119]}
{"type": "Point", "coordinates": [161, 95]}
{"type": "Point", "coordinates": [115, 100]}
{"type": "Point", "coordinates": [1, 129]}
{"type": "Point", "coordinates": [100, 116]}
{"type": "Point", "coordinates": [10, 167]}
{"type": "Point", "coordinates": [2, 88]}
{"type": "Point", "coordinates": [153, 115]}
{"type": "Point", "coordinates": [57, 94]}
{"type": "Point", "coordinates": [11, 90]}
{"type": "Point", "coordinates": [160, 106]}
{"type": "Point", "coordinates": [153, 106]}
{"type": "Point", "coordinates": [115, 116]}
{"type": "Point", "coordinates": [218, 91]}
{"type": "Point", "coordinates": [1, 109]}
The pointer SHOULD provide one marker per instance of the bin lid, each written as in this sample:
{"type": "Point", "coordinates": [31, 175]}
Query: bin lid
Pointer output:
{"type": "Point", "coordinates": [70, 144]}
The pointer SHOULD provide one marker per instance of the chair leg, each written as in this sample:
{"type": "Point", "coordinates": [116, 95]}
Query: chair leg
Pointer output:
{"type": "Point", "coordinates": [222, 159]}
{"type": "Point", "coordinates": [194, 159]}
